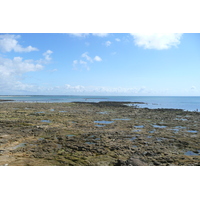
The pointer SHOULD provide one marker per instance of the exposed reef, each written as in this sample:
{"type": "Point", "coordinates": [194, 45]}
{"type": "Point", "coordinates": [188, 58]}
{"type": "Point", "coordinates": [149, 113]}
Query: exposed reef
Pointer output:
{"type": "Point", "coordinates": [94, 134]}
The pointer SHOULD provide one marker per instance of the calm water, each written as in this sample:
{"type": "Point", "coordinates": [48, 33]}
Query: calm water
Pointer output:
{"type": "Point", "coordinates": [186, 103]}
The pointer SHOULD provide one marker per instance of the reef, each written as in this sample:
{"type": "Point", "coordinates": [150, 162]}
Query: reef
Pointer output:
{"type": "Point", "coordinates": [97, 134]}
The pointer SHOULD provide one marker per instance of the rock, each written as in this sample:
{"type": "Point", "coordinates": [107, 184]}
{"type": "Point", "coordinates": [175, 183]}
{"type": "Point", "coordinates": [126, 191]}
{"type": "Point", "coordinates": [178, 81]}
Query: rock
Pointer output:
{"type": "Point", "coordinates": [135, 162]}
{"type": "Point", "coordinates": [130, 162]}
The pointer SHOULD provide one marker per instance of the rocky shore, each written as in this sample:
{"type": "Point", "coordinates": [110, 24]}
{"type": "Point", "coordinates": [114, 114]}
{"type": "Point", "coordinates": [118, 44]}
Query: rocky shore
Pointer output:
{"type": "Point", "coordinates": [94, 134]}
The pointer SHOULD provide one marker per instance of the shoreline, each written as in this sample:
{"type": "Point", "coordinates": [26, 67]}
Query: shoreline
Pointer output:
{"type": "Point", "coordinates": [94, 134]}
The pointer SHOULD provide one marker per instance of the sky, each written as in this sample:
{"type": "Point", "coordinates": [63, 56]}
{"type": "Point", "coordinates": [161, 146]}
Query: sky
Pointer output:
{"type": "Point", "coordinates": [128, 64]}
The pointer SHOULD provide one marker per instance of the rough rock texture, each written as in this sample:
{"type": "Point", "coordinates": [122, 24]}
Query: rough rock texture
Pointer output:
{"type": "Point", "coordinates": [105, 133]}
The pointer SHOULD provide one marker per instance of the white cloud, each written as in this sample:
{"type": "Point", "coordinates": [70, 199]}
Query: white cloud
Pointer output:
{"type": "Point", "coordinates": [82, 62]}
{"type": "Point", "coordinates": [193, 88]}
{"type": "Point", "coordinates": [117, 39]}
{"type": "Point", "coordinates": [85, 55]}
{"type": "Point", "coordinates": [11, 71]}
{"type": "Point", "coordinates": [97, 58]}
{"type": "Point", "coordinates": [47, 55]}
{"type": "Point", "coordinates": [77, 88]}
{"type": "Point", "coordinates": [75, 62]}
{"type": "Point", "coordinates": [9, 42]}
{"type": "Point", "coordinates": [87, 34]}
{"type": "Point", "coordinates": [79, 34]}
{"type": "Point", "coordinates": [100, 34]}
{"type": "Point", "coordinates": [108, 43]}
{"type": "Point", "coordinates": [157, 41]}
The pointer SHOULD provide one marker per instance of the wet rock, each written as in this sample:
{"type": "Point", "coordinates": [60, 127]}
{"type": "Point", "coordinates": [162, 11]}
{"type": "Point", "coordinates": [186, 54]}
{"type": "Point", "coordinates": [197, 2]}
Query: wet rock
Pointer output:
{"type": "Point", "coordinates": [131, 162]}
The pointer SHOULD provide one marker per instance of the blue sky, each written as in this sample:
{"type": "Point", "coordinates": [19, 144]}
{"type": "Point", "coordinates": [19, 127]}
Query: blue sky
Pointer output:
{"type": "Point", "coordinates": [100, 64]}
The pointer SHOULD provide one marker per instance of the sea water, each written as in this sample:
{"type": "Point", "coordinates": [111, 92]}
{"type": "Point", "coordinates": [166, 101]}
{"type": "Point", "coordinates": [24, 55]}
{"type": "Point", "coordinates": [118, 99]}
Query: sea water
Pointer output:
{"type": "Point", "coordinates": [191, 103]}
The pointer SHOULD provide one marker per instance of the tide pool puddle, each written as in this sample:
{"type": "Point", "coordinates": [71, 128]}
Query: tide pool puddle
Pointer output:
{"type": "Point", "coordinates": [180, 127]}
{"type": "Point", "coordinates": [51, 109]}
{"type": "Point", "coordinates": [149, 136]}
{"type": "Point", "coordinates": [62, 111]}
{"type": "Point", "coordinates": [98, 125]}
{"type": "Point", "coordinates": [160, 139]}
{"type": "Point", "coordinates": [19, 145]}
{"type": "Point", "coordinates": [46, 121]}
{"type": "Point", "coordinates": [140, 126]}
{"type": "Point", "coordinates": [191, 131]}
{"type": "Point", "coordinates": [153, 131]}
{"type": "Point", "coordinates": [158, 126]}
{"type": "Point", "coordinates": [104, 112]}
{"type": "Point", "coordinates": [176, 130]}
{"type": "Point", "coordinates": [89, 143]}
{"type": "Point", "coordinates": [133, 138]}
{"type": "Point", "coordinates": [124, 119]}
{"type": "Point", "coordinates": [70, 135]}
{"type": "Point", "coordinates": [103, 122]}
{"type": "Point", "coordinates": [191, 153]}
{"type": "Point", "coordinates": [136, 130]}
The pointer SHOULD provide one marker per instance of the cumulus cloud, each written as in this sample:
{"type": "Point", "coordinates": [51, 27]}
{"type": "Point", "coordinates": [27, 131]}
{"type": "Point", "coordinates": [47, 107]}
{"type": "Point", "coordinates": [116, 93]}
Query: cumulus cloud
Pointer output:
{"type": "Point", "coordinates": [157, 41]}
{"type": "Point", "coordinates": [79, 34]}
{"type": "Point", "coordinates": [11, 71]}
{"type": "Point", "coordinates": [102, 90]}
{"type": "Point", "coordinates": [9, 43]}
{"type": "Point", "coordinates": [117, 39]}
{"type": "Point", "coordinates": [85, 55]}
{"type": "Point", "coordinates": [47, 55]}
{"type": "Point", "coordinates": [87, 34]}
{"type": "Point", "coordinates": [108, 43]}
{"type": "Point", "coordinates": [81, 64]}
{"type": "Point", "coordinates": [97, 58]}
{"type": "Point", "coordinates": [100, 34]}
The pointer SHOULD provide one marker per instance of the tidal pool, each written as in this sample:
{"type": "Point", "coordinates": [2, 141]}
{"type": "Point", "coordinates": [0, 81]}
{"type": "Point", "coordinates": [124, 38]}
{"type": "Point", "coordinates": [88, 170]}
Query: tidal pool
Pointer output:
{"type": "Point", "coordinates": [19, 145]}
{"type": "Point", "coordinates": [70, 135]}
{"type": "Point", "coordinates": [89, 143]}
{"type": "Point", "coordinates": [98, 125]}
{"type": "Point", "coordinates": [103, 122]}
{"type": "Point", "coordinates": [140, 126]}
{"type": "Point", "coordinates": [191, 153]}
{"type": "Point", "coordinates": [121, 119]}
{"type": "Point", "coordinates": [158, 126]}
{"type": "Point", "coordinates": [46, 121]}
{"type": "Point", "coordinates": [104, 112]}
{"type": "Point", "coordinates": [192, 131]}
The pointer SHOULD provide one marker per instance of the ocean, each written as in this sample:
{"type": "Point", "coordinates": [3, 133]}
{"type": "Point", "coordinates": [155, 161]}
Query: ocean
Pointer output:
{"type": "Point", "coordinates": [190, 103]}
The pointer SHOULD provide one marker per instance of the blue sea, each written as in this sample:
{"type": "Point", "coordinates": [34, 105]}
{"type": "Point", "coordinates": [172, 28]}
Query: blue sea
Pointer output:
{"type": "Point", "coordinates": [190, 103]}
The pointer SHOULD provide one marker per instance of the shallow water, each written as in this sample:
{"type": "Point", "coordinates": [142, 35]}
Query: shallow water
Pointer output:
{"type": "Point", "coordinates": [192, 131]}
{"type": "Point", "coordinates": [133, 138]}
{"type": "Point", "coordinates": [124, 119]}
{"type": "Point", "coordinates": [191, 153]}
{"type": "Point", "coordinates": [103, 122]}
{"type": "Point", "coordinates": [19, 145]}
{"type": "Point", "coordinates": [70, 135]}
{"type": "Point", "coordinates": [104, 112]}
{"type": "Point", "coordinates": [46, 121]}
{"type": "Point", "coordinates": [153, 131]}
{"type": "Point", "coordinates": [89, 143]}
{"type": "Point", "coordinates": [158, 126]}
{"type": "Point", "coordinates": [141, 126]}
{"type": "Point", "coordinates": [136, 130]}
{"type": "Point", "coordinates": [175, 102]}
{"type": "Point", "coordinates": [98, 125]}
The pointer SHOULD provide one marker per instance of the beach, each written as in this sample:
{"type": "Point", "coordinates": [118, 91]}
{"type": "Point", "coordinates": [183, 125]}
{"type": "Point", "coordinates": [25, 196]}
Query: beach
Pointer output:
{"type": "Point", "coordinates": [97, 134]}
